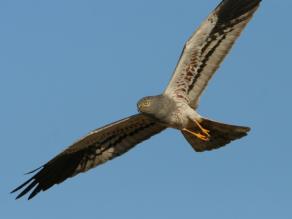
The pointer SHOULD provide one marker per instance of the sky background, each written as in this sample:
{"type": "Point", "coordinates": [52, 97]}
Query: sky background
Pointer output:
{"type": "Point", "coordinates": [68, 67]}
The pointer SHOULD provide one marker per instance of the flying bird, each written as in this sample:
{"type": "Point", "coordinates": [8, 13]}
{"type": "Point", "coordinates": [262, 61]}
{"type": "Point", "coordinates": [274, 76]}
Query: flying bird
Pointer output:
{"type": "Point", "coordinates": [174, 108]}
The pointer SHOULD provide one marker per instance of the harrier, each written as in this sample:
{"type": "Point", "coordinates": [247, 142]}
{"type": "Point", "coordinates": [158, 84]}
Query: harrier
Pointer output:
{"type": "Point", "coordinates": [174, 108]}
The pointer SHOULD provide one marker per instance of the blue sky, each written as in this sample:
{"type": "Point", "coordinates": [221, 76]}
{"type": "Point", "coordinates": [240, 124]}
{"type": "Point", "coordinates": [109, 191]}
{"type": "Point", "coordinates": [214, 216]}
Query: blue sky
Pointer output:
{"type": "Point", "coordinates": [68, 67]}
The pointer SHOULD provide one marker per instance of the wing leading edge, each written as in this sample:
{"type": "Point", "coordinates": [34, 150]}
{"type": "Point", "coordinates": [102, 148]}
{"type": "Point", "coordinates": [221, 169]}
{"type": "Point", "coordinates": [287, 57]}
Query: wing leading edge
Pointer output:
{"type": "Point", "coordinates": [96, 148]}
{"type": "Point", "coordinates": [207, 47]}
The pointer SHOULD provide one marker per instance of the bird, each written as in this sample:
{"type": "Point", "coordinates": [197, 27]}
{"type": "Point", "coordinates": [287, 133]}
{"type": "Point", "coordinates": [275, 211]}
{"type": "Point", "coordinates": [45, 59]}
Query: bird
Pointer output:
{"type": "Point", "coordinates": [174, 108]}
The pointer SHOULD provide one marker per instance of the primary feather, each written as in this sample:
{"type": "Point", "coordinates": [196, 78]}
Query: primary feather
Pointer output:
{"type": "Point", "coordinates": [207, 47]}
{"type": "Point", "coordinates": [201, 56]}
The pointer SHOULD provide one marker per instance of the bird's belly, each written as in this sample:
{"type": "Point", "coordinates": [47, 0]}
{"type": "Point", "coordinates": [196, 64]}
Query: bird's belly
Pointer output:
{"type": "Point", "coordinates": [176, 119]}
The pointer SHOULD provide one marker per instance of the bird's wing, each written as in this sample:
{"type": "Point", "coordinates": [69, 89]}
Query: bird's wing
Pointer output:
{"type": "Point", "coordinates": [207, 47]}
{"type": "Point", "coordinates": [97, 147]}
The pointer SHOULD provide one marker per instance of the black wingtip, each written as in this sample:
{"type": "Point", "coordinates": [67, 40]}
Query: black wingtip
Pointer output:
{"type": "Point", "coordinates": [26, 190]}
{"type": "Point", "coordinates": [29, 187]}
{"type": "Point", "coordinates": [55, 171]}
{"type": "Point", "coordinates": [32, 171]}
{"type": "Point", "coordinates": [230, 9]}
{"type": "Point", "coordinates": [35, 192]}
{"type": "Point", "coordinates": [21, 186]}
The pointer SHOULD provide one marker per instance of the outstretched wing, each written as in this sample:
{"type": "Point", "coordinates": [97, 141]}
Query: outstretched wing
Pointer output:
{"type": "Point", "coordinates": [97, 147]}
{"type": "Point", "coordinates": [207, 47]}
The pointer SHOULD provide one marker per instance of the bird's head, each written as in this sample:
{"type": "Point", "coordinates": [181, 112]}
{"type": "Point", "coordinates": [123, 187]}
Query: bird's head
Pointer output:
{"type": "Point", "coordinates": [155, 106]}
{"type": "Point", "coordinates": [148, 104]}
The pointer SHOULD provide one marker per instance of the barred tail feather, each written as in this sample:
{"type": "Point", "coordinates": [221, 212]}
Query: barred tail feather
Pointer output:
{"type": "Point", "coordinates": [220, 135]}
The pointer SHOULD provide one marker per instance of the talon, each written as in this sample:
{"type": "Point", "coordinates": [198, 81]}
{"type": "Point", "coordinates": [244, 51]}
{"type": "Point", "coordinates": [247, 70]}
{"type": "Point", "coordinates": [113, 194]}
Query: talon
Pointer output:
{"type": "Point", "coordinates": [203, 137]}
{"type": "Point", "coordinates": [199, 135]}
{"type": "Point", "coordinates": [205, 131]}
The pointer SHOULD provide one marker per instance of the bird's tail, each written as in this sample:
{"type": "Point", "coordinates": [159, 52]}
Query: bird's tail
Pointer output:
{"type": "Point", "coordinates": [220, 134]}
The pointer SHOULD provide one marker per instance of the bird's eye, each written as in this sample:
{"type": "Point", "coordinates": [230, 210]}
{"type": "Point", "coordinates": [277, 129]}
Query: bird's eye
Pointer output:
{"type": "Point", "coordinates": [146, 103]}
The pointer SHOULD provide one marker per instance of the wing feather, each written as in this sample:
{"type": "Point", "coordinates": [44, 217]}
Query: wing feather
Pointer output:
{"type": "Point", "coordinates": [207, 47]}
{"type": "Point", "coordinates": [97, 147]}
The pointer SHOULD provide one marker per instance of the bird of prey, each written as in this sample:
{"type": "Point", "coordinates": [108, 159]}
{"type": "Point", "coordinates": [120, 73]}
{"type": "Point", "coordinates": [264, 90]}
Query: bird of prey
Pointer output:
{"type": "Point", "coordinates": [174, 108]}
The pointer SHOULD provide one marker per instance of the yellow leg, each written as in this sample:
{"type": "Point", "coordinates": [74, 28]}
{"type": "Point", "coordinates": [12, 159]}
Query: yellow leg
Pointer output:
{"type": "Point", "coordinates": [205, 131]}
{"type": "Point", "coordinates": [198, 135]}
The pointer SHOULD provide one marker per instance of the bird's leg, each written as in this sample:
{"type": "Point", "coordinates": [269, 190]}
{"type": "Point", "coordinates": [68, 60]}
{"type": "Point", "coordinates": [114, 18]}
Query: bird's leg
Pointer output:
{"type": "Point", "coordinates": [203, 136]}
{"type": "Point", "coordinates": [198, 135]}
{"type": "Point", "coordinates": [205, 131]}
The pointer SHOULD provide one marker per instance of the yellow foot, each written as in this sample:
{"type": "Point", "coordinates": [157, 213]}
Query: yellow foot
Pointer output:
{"type": "Point", "coordinates": [205, 131]}
{"type": "Point", "coordinates": [199, 135]}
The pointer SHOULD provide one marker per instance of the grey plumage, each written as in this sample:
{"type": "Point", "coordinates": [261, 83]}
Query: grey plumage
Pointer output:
{"type": "Point", "coordinates": [175, 108]}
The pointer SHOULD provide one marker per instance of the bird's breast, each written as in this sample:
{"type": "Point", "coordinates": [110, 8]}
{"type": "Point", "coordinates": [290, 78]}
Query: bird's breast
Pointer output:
{"type": "Point", "coordinates": [176, 117]}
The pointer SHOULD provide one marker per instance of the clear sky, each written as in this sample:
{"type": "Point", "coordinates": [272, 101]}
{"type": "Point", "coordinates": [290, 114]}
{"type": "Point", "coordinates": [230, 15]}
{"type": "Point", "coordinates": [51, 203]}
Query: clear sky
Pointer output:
{"type": "Point", "coordinates": [68, 67]}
